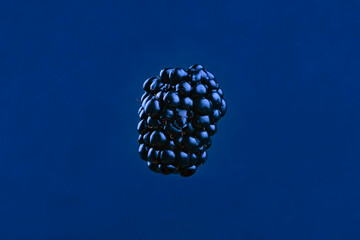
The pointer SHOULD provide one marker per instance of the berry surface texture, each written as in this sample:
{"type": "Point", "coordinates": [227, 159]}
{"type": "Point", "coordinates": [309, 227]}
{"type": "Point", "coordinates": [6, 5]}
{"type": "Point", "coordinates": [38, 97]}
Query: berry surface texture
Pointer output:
{"type": "Point", "coordinates": [179, 113]}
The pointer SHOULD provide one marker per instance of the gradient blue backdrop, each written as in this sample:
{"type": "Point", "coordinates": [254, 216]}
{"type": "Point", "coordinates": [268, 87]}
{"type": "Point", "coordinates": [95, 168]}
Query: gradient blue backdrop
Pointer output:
{"type": "Point", "coordinates": [283, 165]}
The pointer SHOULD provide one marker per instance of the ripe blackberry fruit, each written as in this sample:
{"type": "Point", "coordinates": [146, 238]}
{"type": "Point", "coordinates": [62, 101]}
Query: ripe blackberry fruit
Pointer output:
{"type": "Point", "coordinates": [178, 115]}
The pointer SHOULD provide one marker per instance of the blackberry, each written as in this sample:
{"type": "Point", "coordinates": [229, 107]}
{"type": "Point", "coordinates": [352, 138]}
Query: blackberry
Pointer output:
{"type": "Point", "coordinates": [178, 115]}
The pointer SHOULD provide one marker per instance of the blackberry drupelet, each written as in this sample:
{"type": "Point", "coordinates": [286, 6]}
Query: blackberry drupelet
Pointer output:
{"type": "Point", "coordinates": [178, 115]}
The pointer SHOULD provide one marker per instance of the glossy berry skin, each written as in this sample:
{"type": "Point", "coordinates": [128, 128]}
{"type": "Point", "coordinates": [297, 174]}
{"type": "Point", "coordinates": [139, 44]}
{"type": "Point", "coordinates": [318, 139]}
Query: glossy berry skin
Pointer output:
{"type": "Point", "coordinates": [152, 107]}
{"type": "Point", "coordinates": [203, 107]}
{"type": "Point", "coordinates": [171, 99]}
{"type": "Point", "coordinates": [183, 88]}
{"type": "Point", "coordinates": [167, 156]}
{"type": "Point", "coordinates": [179, 113]}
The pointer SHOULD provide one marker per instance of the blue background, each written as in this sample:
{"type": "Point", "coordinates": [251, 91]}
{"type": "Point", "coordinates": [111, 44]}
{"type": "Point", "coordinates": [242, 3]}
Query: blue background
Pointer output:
{"type": "Point", "coordinates": [283, 165]}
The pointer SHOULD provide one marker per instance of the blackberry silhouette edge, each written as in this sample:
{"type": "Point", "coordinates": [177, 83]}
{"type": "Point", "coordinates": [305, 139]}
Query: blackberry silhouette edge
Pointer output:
{"type": "Point", "coordinates": [179, 113]}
